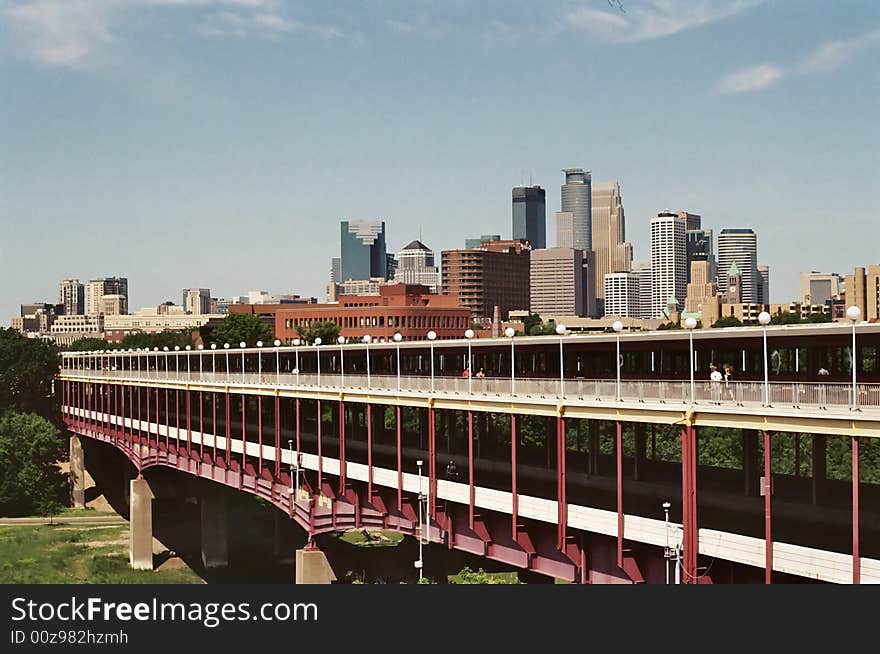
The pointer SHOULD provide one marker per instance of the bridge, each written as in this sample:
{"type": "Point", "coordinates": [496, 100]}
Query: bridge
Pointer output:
{"type": "Point", "coordinates": [565, 476]}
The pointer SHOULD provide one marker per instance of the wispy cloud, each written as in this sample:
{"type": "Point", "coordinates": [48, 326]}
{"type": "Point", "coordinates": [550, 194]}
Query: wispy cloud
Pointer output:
{"type": "Point", "coordinates": [421, 26]}
{"type": "Point", "coordinates": [654, 20]}
{"type": "Point", "coordinates": [828, 57]}
{"type": "Point", "coordinates": [260, 24]}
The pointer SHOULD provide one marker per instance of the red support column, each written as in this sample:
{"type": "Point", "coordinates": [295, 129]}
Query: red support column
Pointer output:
{"type": "Point", "coordinates": [131, 410]}
{"type": "Point", "coordinates": [157, 418]}
{"type": "Point", "coordinates": [685, 502]}
{"type": "Point", "coordinates": [320, 453]}
{"type": "Point", "coordinates": [243, 435]}
{"type": "Point", "coordinates": [695, 531]}
{"type": "Point", "coordinates": [188, 425]}
{"type": "Point", "coordinates": [689, 503]}
{"type": "Point", "coordinates": [201, 426]}
{"type": "Point", "coordinates": [370, 452]}
{"type": "Point", "coordinates": [514, 505]}
{"type": "Point", "coordinates": [561, 502]}
{"type": "Point", "coordinates": [856, 560]}
{"type": "Point", "coordinates": [470, 420]}
{"type": "Point", "coordinates": [619, 457]}
{"type": "Point", "coordinates": [277, 435]}
{"type": "Point", "coordinates": [432, 462]}
{"type": "Point", "coordinates": [399, 464]}
{"type": "Point", "coordinates": [167, 420]}
{"type": "Point", "coordinates": [147, 405]}
{"type": "Point", "coordinates": [177, 419]}
{"type": "Point", "coordinates": [768, 489]}
{"type": "Point", "coordinates": [214, 425]}
{"type": "Point", "coordinates": [259, 435]}
{"type": "Point", "coordinates": [298, 450]}
{"type": "Point", "coordinates": [228, 431]}
{"type": "Point", "coordinates": [341, 446]}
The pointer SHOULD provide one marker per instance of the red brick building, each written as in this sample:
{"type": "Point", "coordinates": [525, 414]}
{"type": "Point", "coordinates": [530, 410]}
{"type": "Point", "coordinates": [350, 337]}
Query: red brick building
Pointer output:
{"type": "Point", "coordinates": [409, 309]}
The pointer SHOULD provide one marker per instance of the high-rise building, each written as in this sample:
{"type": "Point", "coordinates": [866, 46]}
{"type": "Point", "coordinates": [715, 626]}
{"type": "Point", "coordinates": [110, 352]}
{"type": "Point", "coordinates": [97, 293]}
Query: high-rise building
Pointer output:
{"type": "Point", "coordinates": [576, 198]}
{"type": "Point", "coordinates": [102, 286]}
{"type": "Point", "coordinates": [863, 291]}
{"type": "Point", "coordinates": [818, 287]}
{"type": "Point", "coordinates": [530, 216]}
{"type": "Point", "coordinates": [699, 243]}
{"type": "Point", "coordinates": [415, 265]}
{"type": "Point", "coordinates": [474, 243]}
{"type": "Point", "coordinates": [740, 246]}
{"type": "Point", "coordinates": [642, 270]}
{"type": "Point", "coordinates": [734, 283]}
{"type": "Point", "coordinates": [702, 292]}
{"type": "Point", "coordinates": [335, 269]}
{"type": "Point", "coordinates": [390, 266]}
{"type": "Point", "coordinates": [113, 305]}
{"type": "Point", "coordinates": [72, 294]}
{"type": "Point", "coordinates": [362, 249]}
{"type": "Point", "coordinates": [556, 282]}
{"type": "Point", "coordinates": [763, 284]}
{"type": "Point", "coordinates": [668, 262]}
{"type": "Point", "coordinates": [622, 294]}
{"type": "Point", "coordinates": [495, 275]}
{"type": "Point", "coordinates": [564, 229]}
{"type": "Point", "coordinates": [613, 253]}
{"type": "Point", "coordinates": [197, 301]}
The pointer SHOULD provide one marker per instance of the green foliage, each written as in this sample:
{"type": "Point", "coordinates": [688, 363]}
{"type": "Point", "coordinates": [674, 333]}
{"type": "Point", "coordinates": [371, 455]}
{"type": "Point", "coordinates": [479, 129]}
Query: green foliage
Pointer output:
{"type": "Point", "coordinates": [27, 368]}
{"type": "Point", "coordinates": [468, 576]}
{"type": "Point", "coordinates": [30, 483]}
{"type": "Point", "coordinates": [531, 321]}
{"type": "Point", "coordinates": [326, 331]}
{"type": "Point", "coordinates": [89, 344]}
{"type": "Point", "coordinates": [727, 321]}
{"type": "Point", "coordinates": [818, 318]}
{"type": "Point", "coordinates": [238, 327]}
{"type": "Point", "coordinates": [162, 339]}
{"type": "Point", "coordinates": [670, 325]}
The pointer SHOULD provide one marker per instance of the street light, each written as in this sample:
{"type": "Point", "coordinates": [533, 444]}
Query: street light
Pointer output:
{"type": "Point", "coordinates": [764, 319]}
{"type": "Point", "coordinates": [431, 336]}
{"type": "Point", "coordinates": [277, 343]}
{"type": "Point", "coordinates": [318, 357]}
{"type": "Point", "coordinates": [509, 332]}
{"type": "Point", "coordinates": [213, 366]}
{"type": "Point", "coordinates": [420, 563]}
{"type": "Point", "coordinates": [341, 341]}
{"type": "Point", "coordinates": [667, 553]}
{"type": "Point", "coordinates": [367, 340]}
{"type": "Point", "coordinates": [226, 347]}
{"type": "Point", "coordinates": [397, 338]}
{"type": "Point", "coordinates": [177, 361]}
{"type": "Point", "coordinates": [469, 334]}
{"type": "Point", "coordinates": [242, 345]}
{"type": "Point", "coordinates": [294, 471]}
{"type": "Point", "coordinates": [296, 342]}
{"type": "Point", "coordinates": [853, 314]}
{"type": "Point", "coordinates": [560, 329]}
{"type": "Point", "coordinates": [260, 363]}
{"type": "Point", "coordinates": [617, 326]}
{"type": "Point", "coordinates": [165, 349]}
{"type": "Point", "coordinates": [691, 324]}
{"type": "Point", "coordinates": [188, 362]}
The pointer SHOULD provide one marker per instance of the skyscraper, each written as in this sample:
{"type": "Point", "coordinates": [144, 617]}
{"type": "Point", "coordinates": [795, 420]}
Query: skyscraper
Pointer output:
{"type": "Point", "coordinates": [818, 287]}
{"type": "Point", "coordinates": [576, 198]}
{"type": "Point", "coordinates": [699, 243]}
{"type": "Point", "coordinates": [668, 261]}
{"type": "Point", "coordinates": [415, 265]}
{"type": "Point", "coordinates": [763, 284]}
{"type": "Point", "coordinates": [556, 282]}
{"type": "Point", "coordinates": [564, 229]}
{"type": "Point", "coordinates": [72, 294]}
{"type": "Point", "coordinates": [613, 253]}
{"type": "Point", "coordinates": [740, 246]}
{"type": "Point", "coordinates": [495, 275]}
{"type": "Point", "coordinates": [474, 243]}
{"type": "Point", "coordinates": [362, 249]}
{"type": "Point", "coordinates": [102, 286]}
{"type": "Point", "coordinates": [529, 216]}
{"type": "Point", "coordinates": [642, 271]}
{"type": "Point", "coordinates": [197, 301]}
{"type": "Point", "coordinates": [621, 293]}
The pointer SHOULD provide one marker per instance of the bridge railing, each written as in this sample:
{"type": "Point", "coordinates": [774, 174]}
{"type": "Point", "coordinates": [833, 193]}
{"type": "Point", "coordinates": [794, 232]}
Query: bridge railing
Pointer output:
{"type": "Point", "coordinates": [779, 394]}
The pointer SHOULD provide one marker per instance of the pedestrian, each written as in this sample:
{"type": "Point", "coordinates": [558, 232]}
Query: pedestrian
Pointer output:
{"type": "Point", "coordinates": [715, 378]}
{"type": "Point", "coordinates": [481, 374]}
{"type": "Point", "coordinates": [466, 372]}
{"type": "Point", "coordinates": [451, 472]}
{"type": "Point", "coordinates": [728, 373]}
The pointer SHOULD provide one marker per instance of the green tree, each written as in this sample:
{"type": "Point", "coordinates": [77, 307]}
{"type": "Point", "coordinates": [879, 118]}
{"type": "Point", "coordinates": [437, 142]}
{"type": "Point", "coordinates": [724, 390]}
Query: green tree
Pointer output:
{"type": "Point", "coordinates": [727, 321]}
{"type": "Point", "coordinates": [818, 318]}
{"type": "Point", "coordinates": [27, 368]}
{"type": "Point", "coordinates": [89, 344]}
{"type": "Point", "coordinates": [170, 339]}
{"type": "Point", "coordinates": [328, 332]}
{"type": "Point", "coordinates": [531, 321]}
{"type": "Point", "coordinates": [238, 327]}
{"type": "Point", "coordinates": [785, 318]}
{"type": "Point", "coordinates": [30, 482]}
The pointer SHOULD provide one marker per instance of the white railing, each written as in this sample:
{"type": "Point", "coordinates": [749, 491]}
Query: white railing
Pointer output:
{"type": "Point", "coordinates": [818, 395]}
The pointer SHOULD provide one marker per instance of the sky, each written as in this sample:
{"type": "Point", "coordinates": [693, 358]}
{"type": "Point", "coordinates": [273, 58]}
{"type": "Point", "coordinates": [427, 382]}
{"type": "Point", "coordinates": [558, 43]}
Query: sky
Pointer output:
{"type": "Point", "coordinates": [218, 143]}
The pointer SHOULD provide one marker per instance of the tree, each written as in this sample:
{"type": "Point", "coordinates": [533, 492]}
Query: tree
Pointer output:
{"type": "Point", "coordinates": [30, 482]}
{"type": "Point", "coordinates": [27, 368]}
{"type": "Point", "coordinates": [727, 321]}
{"type": "Point", "coordinates": [238, 327]}
{"type": "Point", "coordinates": [530, 321]}
{"type": "Point", "coordinates": [670, 325]}
{"type": "Point", "coordinates": [89, 344]}
{"type": "Point", "coordinates": [785, 318]}
{"type": "Point", "coordinates": [170, 339]}
{"type": "Point", "coordinates": [328, 332]}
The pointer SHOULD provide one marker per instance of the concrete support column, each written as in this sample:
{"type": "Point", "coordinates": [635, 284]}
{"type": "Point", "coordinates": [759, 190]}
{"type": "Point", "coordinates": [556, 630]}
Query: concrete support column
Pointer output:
{"type": "Point", "coordinates": [214, 530]}
{"type": "Point", "coordinates": [312, 567]}
{"type": "Point", "coordinates": [820, 466]}
{"type": "Point", "coordinates": [140, 540]}
{"type": "Point", "coordinates": [77, 473]}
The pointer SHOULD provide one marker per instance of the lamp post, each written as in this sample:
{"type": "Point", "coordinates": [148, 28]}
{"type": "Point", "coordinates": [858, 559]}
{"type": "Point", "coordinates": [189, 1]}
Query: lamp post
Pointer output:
{"type": "Point", "coordinates": [188, 363]}
{"type": "Point", "coordinates": [367, 340]}
{"type": "Point", "coordinates": [165, 349]}
{"type": "Point", "coordinates": [560, 329]}
{"type": "Point", "coordinates": [294, 471]}
{"type": "Point", "coordinates": [853, 314]}
{"type": "Point", "coordinates": [242, 345]}
{"type": "Point", "coordinates": [666, 552]}
{"type": "Point", "coordinates": [397, 338]}
{"type": "Point", "coordinates": [432, 335]}
{"type": "Point", "coordinates": [259, 363]}
{"type": "Point", "coordinates": [156, 354]}
{"type": "Point", "coordinates": [201, 363]}
{"type": "Point", "coordinates": [226, 347]}
{"type": "Point", "coordinates": [213, 360]}
{"type": "Point", "coordinates": [509, 332]}
{"type": "Point", "coordinates": [296, 343]}
{"type": "Point", "coordinates": [277, 344]}
{"type": "Point", "coordinates": [177, 361]}
{"type": "Point", "coordinates": [691, 324]}
{"type": "Point", "coordinates": [617, 326]}
{"type": "Point", "coordinates": [469, 334]}
{"type": "Point", "coordinates": [420, 563]}
{"type": "Point", "coordinates": [764, 319]}
{"type": "Point", "coordinates": [341, 341]}
{"type": "Point", "coordinates": [318, 357]}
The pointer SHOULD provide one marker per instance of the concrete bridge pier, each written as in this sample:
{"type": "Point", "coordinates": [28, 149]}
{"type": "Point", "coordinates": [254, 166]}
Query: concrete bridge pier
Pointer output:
{"type": "Point", "coordinates": [140, 522]}
{"type": "Point", "coordinates": [214, 530]}
{"type": "Point", "coordinates": [77, 473]}
{"type": "Point", "coordinates": [312, 566]}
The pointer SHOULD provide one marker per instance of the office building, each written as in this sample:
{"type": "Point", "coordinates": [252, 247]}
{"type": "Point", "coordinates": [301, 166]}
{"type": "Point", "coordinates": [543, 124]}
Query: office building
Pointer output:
{"type": "Point", "coordinates": [197, 301]}
{"type": "Point", "coordinates": [622, 293]}
{"type": "Point", "coordinates": [819, 287]}
{"type": "Point", "coordinates": [415, 265]}
{"type": "Point", "coordinates": [474, 243]}
{"type": "Point", "coordinates": [642, 270]}
{"type": "Point", "coordinates": [863, 290]}
{"type": "Point", "coordinates": [556, 282]}
{"type": "Point", "coordinates": [577, 199]}
{"type": "Point", "coordinates": [763, 277]}
{"type": "Point", "coordinates": [113, 305]}
{"type": "Point", "coordinates": [154, 320]}
{"type": "Point", "coordinates": [700, 246]}
{"type": "Point", "coordinates": [702, 292]}
{"type": "Point", "coordinates": [668, 261]}
{"type": "Point", "coordinates": [72, 294]}
{"type": "Point", "coordinates": [362, 250]}
{"type": "Point", "coordinates": [530, 216]}
{"type": "Point", "coordinates": [495, 275]}
{"type": "Point", "coordinates": [613, 253]}
{"type": "Point", "coordinates": [98, 288]}
{"type": "Point", "coordinates": [740, 246]}
{"type": "Point", "coordinates": [67, 329]}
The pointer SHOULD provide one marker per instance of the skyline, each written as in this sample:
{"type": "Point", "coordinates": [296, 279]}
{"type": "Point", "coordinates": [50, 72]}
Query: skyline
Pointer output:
{"type": "Point", "coordinates": [214, 128]}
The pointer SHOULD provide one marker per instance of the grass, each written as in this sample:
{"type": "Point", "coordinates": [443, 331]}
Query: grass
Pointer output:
{"type": "Point", "coordinates": [382, 538]}
{"type": "Point", "coordinates": [84, 513]}
{"type": "Point", "coordinates": [51, 554]}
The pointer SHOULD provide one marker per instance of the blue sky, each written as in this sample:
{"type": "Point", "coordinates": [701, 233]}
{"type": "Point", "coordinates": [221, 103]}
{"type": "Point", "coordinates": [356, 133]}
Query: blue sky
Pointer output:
{"type": "Point", "coordinates": [219, 142]}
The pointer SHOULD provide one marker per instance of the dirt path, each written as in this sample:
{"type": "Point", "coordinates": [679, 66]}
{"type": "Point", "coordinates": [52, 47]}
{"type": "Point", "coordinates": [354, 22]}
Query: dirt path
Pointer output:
{"type": "Point", "coordinates": [64, 520]}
